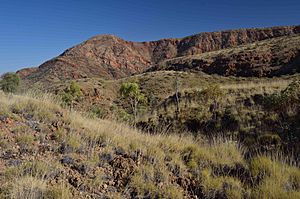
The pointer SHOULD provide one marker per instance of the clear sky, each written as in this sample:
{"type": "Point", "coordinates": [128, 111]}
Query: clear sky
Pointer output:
{"type": "Point", "coordinates": [33, 31]}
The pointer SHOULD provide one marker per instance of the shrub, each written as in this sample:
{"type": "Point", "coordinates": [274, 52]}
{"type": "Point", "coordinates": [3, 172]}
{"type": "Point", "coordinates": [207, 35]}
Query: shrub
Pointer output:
{"type": "Point", "coordinates": [146, 182]}
{"type": "Point", "coordinates": [261, 166]}
{"type": "Point", "coordinates": [37, 169]}
{"type": "Point", "coordinates": [71, 94]}
{"type": "Point", "coordinates": [96, 111]}
{"type": "Point", "coordinates": [58, 191]}
{"type": "Point", "coordinates": [25, 140]}
{"type": "Point", "coordinates": [284, 100]}
{"type": "Point", "coordinates": [120, 114]}
{"type": "Point", "coordinates": [218, 154]}
{"type": "Point", "coordinates": [275, 179]}
{"type": "Point", "coordinates": [74, 142]}
{"type": "Point", "coordinates": [216, 187]}
{"type": "Point", "coordinates": [194, 156]}
{"type": "Point", "coordinates": [28, 187]}
{"type": "Point", "coordinates": [10, 82]}
{"type": "Point", "coordinates": [213, 92]}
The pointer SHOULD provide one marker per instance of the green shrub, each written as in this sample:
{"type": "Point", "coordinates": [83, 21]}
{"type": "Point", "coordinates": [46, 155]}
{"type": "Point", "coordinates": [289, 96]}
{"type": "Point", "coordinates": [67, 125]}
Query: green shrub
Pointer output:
{"type": "Point", "coordinates": [214, 186]}
{"type": "Point", "coordinates": [284, 100]}
{"type": "Point", "coordinates": [10, 82]}
{"type": "Point", "coordinates": [96, 111]}
{"type": "Point", "coordinates": [71, 94]}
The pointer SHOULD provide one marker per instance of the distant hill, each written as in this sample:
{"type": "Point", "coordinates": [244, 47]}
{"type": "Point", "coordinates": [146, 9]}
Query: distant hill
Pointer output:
{"type": "Point", "coordinates": [110, 57]}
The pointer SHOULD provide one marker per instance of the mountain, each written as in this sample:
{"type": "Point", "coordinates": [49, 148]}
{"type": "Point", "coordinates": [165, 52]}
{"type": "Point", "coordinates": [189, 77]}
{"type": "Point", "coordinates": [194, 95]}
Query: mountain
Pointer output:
{"type": "Point", "coordinates": [110, 57]}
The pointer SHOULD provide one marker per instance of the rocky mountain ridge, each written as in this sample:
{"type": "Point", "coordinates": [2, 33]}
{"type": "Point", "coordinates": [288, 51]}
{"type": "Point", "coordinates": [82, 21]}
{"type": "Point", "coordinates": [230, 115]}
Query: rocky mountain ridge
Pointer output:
{"type": "Point", "coordinates": [110, 57]}
{"type": "Point", "coordinates": [268, 58]}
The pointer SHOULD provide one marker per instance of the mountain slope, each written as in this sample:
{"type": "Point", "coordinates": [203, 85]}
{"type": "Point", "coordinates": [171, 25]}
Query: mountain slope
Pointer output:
{"type": "Point", "coordinates": [272, 57]}
{"type": "Point", "coordinates": [49, 152]}
{"type": "Point", "coordinates": [110, 57]}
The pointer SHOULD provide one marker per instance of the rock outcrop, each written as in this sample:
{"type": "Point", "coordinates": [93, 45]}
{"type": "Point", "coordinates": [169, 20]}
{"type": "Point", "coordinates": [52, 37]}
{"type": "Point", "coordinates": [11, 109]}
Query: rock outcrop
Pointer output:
{"type": "Point", "coordinates": [110, 57]}
{"type": "Point", "coordinates": [275, 57]}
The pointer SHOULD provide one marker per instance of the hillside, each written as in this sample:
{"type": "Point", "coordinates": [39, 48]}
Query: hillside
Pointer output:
{"type": "Point", "coordinates": [262, 113]}
{"type": "Point", "coordinates": [110, 57]}
{"type": "Point", "coordinates": [272, 57]}
{"type": "Point", "coordinates": [50, 152]}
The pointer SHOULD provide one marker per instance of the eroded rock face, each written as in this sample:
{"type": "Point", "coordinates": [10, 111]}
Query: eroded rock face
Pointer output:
{"type": "Point", "coordinates": [269, 58]}
{"type": "Point", "coordinates": [111, 57]}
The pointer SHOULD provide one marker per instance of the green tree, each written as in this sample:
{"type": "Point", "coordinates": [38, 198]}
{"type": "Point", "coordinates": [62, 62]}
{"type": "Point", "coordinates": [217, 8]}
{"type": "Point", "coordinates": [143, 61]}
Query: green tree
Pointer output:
{"type": "Point", "coordinates": [132, 93]}
{"type": "Point", "coordinates": [10, 82]}
{"type": "Point", "coordinates": [71, 94]}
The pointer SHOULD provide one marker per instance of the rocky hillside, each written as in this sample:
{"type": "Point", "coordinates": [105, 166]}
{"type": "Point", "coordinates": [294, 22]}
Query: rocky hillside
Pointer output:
{"type": "Point", "coordinates": [49, 152]}
{"type": "Point", "coordinates": [110, 57]}
{"type": "Point", "coordinates": [268, 58]}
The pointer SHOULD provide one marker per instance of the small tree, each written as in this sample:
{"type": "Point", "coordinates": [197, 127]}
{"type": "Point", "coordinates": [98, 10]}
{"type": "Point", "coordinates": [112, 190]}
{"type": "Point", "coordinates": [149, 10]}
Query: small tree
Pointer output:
{"type": "Point", "coordinates": [71, 94]}
{"type": "Point", "coordinates": [10, 82]}
{"type": "Point", "coordinates": [132, 93]}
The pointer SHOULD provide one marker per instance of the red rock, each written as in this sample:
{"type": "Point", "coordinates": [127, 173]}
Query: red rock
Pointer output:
{"type": "Point", "coordinates": [108, 56]}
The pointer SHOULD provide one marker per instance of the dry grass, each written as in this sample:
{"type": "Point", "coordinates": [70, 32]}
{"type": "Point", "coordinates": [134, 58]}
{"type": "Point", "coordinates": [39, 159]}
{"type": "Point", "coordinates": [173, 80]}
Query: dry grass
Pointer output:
{"type": "Point", "coordinates": [161, 157]}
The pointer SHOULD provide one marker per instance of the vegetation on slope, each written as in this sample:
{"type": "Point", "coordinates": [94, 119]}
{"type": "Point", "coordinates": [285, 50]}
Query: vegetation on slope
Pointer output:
{"type": "Point", "coordinates": [240, 108]}
{"type": "Point", "coordinates": [50, 152]}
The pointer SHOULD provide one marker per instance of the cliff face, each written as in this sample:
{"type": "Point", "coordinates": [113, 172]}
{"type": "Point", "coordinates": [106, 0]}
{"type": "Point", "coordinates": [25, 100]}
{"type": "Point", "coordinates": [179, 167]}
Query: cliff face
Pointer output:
{"type": "Point", "coordinates": [110, 57]}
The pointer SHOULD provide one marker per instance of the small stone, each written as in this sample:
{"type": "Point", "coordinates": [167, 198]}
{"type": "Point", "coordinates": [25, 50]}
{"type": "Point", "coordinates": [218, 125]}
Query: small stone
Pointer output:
{"type": "Point", "coordinates": [83, 169]}
{"type": "Point", "coordinates": [105, 186]}
{"type": "Point", "coordinates": [66, 160]}
{"type": "Point", "coordinates": [14, 162]}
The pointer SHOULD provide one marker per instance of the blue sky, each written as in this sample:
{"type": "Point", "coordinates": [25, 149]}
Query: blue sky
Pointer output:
{"type": "Point", "coordinates": [33, 31]}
